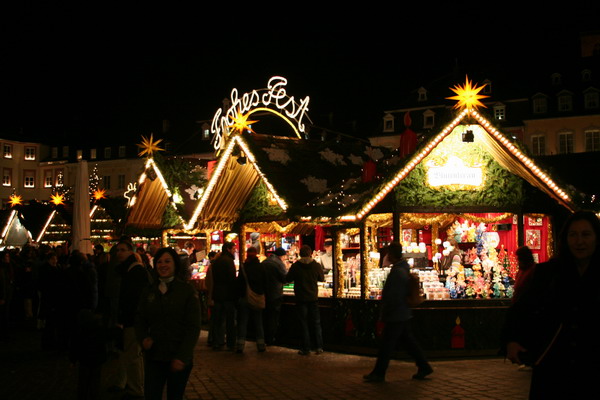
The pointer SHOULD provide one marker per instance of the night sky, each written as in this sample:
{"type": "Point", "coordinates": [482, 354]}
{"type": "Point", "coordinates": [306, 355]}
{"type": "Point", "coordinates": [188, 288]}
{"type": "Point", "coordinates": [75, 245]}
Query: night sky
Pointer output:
{"type": "Point", "coordinates": [116, 73]}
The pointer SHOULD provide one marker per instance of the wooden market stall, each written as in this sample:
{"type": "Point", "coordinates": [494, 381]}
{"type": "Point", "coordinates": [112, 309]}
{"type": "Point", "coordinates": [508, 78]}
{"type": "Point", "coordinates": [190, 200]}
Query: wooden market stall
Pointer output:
{"type": "Point", "coordinates": [460, 203]}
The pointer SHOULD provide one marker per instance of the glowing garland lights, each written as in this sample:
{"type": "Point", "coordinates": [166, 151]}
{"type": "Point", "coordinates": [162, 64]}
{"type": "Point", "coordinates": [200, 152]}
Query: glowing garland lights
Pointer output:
{"type": "Point", "coordinates": [41, 235]}
{"type": "Point", "coordinates": [150, 163]}
{"type": "Point", "coordinates": [13, 214]}
{"type": "Point", "coordinates": [219, 170]}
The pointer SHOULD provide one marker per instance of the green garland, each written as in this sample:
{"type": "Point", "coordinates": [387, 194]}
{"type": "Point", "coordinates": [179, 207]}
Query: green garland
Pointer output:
{"type": "Point", "coordinates": [257, 206]}
{"type": "Point", "coordinates": [179, 173]}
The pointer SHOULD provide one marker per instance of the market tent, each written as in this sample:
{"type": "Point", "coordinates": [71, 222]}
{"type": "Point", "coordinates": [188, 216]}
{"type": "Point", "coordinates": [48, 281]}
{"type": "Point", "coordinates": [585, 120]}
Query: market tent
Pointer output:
{"type": "Point", "coordinates": [48, 223]}
{"type": "Point", "coordinates": [175, 190]}
{"type": "Point", "coordinates": [12, 231]}
{"type": "Point", "coordinates": [290, 172]}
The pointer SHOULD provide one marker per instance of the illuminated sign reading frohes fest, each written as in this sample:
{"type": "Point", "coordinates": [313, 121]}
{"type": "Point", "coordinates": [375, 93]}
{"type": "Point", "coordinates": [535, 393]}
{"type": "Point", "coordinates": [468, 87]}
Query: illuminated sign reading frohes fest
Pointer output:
{"type": "Point", "coordinates": [273, 99]}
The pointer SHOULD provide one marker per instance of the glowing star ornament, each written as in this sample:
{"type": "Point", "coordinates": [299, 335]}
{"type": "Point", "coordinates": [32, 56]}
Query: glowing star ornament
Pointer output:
{"type": "Point", "coordinates": [15, 200]}
{"type": "Point", "coordinates": [240, 123]}
{"type": "Point", "coordinates": [149, 146]}
{"type": "Point", "coordinates": [468, 95]}
{"type": "Point", "coordinates": [99, 194]}
{"type": "Point", "coordinates": [57, 199]}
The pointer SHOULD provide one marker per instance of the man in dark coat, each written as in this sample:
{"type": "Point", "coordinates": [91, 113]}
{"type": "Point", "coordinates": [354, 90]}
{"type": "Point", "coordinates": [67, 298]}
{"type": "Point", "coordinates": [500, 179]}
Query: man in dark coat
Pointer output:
{"type": "Point", "coordinates": [224, 296]}
{"type": "Point", "coordinates": [396, 315]}
{"type": "Point", "coordinates": [306, 273]}
{"type": "Point", "coordinates": [134, 279]}
{"type": "Point", "coordinates": [275, 270]}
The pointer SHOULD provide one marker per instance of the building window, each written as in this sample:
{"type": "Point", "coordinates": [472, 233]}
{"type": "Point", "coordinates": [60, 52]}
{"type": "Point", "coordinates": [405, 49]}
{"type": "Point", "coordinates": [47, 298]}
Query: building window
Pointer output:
{"type": "Point", "coordinates": [586, 75]}
{"type": "Point", "coordinates": [54, 152]}
{"type": "Point", "coordinates": [79, 154]}
{"type": "Point", "coordinates": [121, 182]}
{"type": "Point", "coordinates": [565, 102]}
{"type": "Point", "coordinates": [29, 178]}
{"type": "Point", "coordinates": [422, 93]}
{"type": "Point", "coordinates": [388, 123]}
{"type": "Point", "coordinates": [30, 153]}
{"type": "Point", "coordinates": [556, 79]}
{"type": "Point", "coordinates": [591, 99]}
{"type": "Point", "coordinates": [538, 145]}
{"type": "Point", "coordinates": [500, 112]}
{"type": "Point", "coordinates": [7, 149]}
{"type": "Point", "coordinates": [93, 154]}
{"type": "Point", "coordinates": [592, 141]}
{"type": "Point", "coordinates": [565, 143]}
{"type": "Point", "coordinates": [106, 182]}
{"type": "Point", "coordinates": [540, 105]}
{"type": "Point", "coordinates": [48, 178]}
{"type": "Point", "coordinates": [121, 151]}
{"type": "Point", "coordinates": [428, 119]}
{"type": "Point", "coordinates": [107, 153]}
{"type": "Point", "coordinates": [6, 177]}
{"type": "Point", "coordinates": [65, 152]}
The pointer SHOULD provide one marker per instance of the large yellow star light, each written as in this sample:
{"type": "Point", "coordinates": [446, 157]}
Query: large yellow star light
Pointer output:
{"type": "Point", "coordinates": [240, 123]}
{"type": "Point", "coordinates": [149, 146]}
{"type": "Point", "coordinates": [468, 95]}
{"type": "Point", "coordinates": [99, 194]}
{"type": "Point", "coordinates": [57, 199]}
{"type": "Point", "coordinates": [15, 200]}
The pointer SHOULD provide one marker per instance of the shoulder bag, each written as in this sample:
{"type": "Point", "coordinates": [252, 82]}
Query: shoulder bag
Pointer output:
{"type": "Point", "coordinates": [255, 300]}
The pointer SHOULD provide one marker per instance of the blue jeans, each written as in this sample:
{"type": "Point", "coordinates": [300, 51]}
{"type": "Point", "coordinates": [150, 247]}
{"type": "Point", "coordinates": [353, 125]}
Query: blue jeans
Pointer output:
{"type": "Point", "coordinates": [158, 373]}
{"type": "Point", "coordinates": [224, 324]}
{"type": "Point", "coordinates": [393, 333]}
{"type": "Point", "coordinates": [309, 315]}
{"type": "Point", "coordinates": [246, 313]}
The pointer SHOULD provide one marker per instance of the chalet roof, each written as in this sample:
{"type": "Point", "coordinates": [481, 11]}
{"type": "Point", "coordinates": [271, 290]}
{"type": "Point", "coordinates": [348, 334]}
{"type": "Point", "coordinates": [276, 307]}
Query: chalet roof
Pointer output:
{"type": "Point", "coordinates": [505, 152]}
{"type": "Point", "coordinates": [159, 187]}
{"type": "Point", "coordinates": [12, 231]}
{"type": "Point", "coordinates": [297, 172]}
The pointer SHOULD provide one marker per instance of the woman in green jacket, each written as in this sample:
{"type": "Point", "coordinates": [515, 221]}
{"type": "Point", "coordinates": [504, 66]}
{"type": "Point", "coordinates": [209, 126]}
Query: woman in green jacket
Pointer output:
{"type": "Point", "coordinates": [168, 327]}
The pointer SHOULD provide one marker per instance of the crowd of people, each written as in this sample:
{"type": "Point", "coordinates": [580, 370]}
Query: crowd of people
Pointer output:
{"type": "Point", "coordinates": [139, 307]}
{"type": "Point", "coordinates": [231, 311]}
{"type": "Point", "coordinates": [132, 306]}
{"type": "Point", "coordinates": [136, 307]}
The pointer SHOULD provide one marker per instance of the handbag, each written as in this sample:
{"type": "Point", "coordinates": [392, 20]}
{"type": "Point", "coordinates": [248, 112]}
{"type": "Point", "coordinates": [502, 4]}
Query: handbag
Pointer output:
{"type": "Point", "coordinates": [255, 300]}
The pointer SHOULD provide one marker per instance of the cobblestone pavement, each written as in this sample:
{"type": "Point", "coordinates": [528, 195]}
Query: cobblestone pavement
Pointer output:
{"type": "Point", "coordinates": [279, 373]}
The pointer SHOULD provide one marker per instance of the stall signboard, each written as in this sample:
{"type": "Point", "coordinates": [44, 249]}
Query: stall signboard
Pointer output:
{"type": "Point", "coordinates": [273, 99]}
